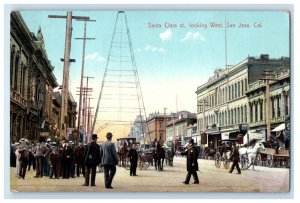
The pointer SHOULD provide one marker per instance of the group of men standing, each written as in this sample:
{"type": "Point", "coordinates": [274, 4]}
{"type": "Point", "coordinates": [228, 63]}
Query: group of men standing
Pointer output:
{"type": "Point", "coordinates": [62, 159]}
{"type": "Point", "coordinates": [51, 159]}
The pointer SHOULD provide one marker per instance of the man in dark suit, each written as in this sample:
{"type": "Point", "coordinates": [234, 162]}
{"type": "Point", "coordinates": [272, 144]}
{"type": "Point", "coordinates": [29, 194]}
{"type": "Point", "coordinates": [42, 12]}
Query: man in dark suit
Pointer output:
{"type": "Point", "coordinates": [91, 160]}
{"type": "Point", "coordinates": [236, 159]}
{"type": "Point", "coordinates": [133, 157]}
{"type": "Point", "coordinates": [191, 163]}
{"type": "Point", "coordinates": [109, 160]}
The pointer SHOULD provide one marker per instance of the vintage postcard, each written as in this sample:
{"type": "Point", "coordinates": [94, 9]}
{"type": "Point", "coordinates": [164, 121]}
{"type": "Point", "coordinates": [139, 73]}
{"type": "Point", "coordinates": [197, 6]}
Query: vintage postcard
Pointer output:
{"type": "Point", "coordinates": [150, 101]}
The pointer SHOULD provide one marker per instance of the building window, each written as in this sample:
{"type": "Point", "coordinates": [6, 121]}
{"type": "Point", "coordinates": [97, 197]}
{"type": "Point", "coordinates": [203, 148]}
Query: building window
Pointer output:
{"type": "Point", "coordinates": [246, 87]}
{"type": "Point", "coordinates": [229, 92]}
{"type": "Point", "coordinates": [245, 113]}
{"type": "Point", "coordinates": [242, 88]}
{"type": "Point", "coordinates": [235, 90]}
{"type": "Point", "coordinates": [256, 112]}
{"type": "Point", "coordinates": [242, 116]}
{"type": "Point", "coordinates": [12, 54]}
{"type": "Point", "coordinates": [225, 95]}
{"type": "Point", "coordinates": [238, 115]}
{"type": "Point", "coordinates": [278, 106]}
{"type": "Point", "coordinates": [261, 111]}
{"type": "Point", "coordinates": [161, 136]}
{"type": "Point", "coordinates": [251, 118]}
{"type": "Point", "coordinates": [273, 107]}
{"type": "Point", "coordinates": [232, 92]}
{"type": "Point", "coordinates": [160, 124]}
{"type": "Point", "coordinates": [16, 71]}
{"type": "Point", "coordinates": [239, 89]}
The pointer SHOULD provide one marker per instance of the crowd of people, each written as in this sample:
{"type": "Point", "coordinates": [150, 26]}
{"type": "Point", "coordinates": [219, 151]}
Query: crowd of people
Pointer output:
{"type": "Point", "coordinates": [62, 159]}
{"type": "Point", "coordinates": [54, 159]}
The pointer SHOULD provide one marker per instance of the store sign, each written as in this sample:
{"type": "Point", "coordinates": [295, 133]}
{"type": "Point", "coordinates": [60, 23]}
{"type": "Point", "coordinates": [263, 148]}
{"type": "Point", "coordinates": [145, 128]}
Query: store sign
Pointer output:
{"type": "Point", "coordinates": [225, 136]}
{"type": "Point", "coordinates": [44, 134]}
{"type": "Point", "coordinates": [243, 128]}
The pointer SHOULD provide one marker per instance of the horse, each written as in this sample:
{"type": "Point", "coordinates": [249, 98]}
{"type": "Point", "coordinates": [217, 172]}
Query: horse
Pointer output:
{"type": "Point", "coordinates": [249, 155]}
{"type": "Point", "coordinates": [159, 157]}
{"type": "Point", "coordinates": [169, 156]}
{"type": "Point", "coordinates": [123, 152]}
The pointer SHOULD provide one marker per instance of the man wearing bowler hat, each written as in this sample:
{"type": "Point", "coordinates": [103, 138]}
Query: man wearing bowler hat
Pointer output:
{"type": "Point", "coordinates": [109, 160]}
{"type": "Point", "coordinates": [191, 163]}
{"type": "Point", "coordinates": [91, 160]}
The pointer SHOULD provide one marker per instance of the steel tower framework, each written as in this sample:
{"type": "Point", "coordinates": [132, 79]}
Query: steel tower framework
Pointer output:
{"type": "Point", "coordinates": [120, 99]}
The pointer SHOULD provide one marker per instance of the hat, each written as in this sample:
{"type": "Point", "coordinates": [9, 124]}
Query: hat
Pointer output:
{"type": "Point", "coordinates": [109, 135]}
{"type": "Point", "coordinates": [94, 136]}
{"type": "Point", "coordinates": [22, 140]}
{"type": "Point", "coordinates": [49, 140]}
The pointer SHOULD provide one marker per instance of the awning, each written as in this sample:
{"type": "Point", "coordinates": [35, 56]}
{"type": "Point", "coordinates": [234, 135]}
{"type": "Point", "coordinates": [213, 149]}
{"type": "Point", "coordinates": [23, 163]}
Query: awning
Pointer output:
{"type": "Point", "coordinates": [279, 128]}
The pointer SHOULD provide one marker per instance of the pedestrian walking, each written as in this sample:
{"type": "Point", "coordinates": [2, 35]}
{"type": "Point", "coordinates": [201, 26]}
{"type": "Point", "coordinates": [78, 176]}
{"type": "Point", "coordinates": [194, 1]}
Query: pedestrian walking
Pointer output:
{"type": "Point", "coordinates": [236, 159]}
{"type": "Point", "coordinates": [109, 160]}
{"type": "Point", "coordinates": [91, 160]}
{"type": "Point", "coordinates": [191, 163]}
{"type": "Point", "coordinates": [133, 158]}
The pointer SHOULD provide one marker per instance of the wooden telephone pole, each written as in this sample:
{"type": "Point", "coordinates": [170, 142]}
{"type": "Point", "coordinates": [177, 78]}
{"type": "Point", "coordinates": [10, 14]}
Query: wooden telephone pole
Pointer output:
{"type": "Point", "coordinates": [67, 60]}
{"type": "Point", "coordinates": [82, 70]}
{"type": "Point", "coordinates": [268, 75]}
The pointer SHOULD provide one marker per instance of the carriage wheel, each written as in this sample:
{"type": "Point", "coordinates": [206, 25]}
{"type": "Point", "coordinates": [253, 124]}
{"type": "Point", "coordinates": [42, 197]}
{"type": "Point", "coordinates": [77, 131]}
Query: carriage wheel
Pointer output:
{"type": "Point", "coordinates": [287, 163]}
{"type": "Point", "coordinates": [127, 164]}
{"type": "Point", "coordinates": [218, 160]}
{"type": "Point", "coordinates": [146, 165]}
{"type": "Point", "coordinates": [244, 162]}
{"type": "Point", "coordinates": [140, 165]}
{"type": "Point", "coordinates": [226, 163]}
{"type": "Point", "coordinates": [269, 160]}
{"type": "Point", "coordinates": [258, 160]}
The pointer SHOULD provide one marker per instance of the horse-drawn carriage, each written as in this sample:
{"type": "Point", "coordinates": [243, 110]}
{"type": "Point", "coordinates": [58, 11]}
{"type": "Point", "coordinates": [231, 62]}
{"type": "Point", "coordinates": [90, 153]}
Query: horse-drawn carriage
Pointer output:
{"type": "Point", "coordinates": [123, 146]}
{"type": "Point", "coordinates": [248, 155]}
{"type": "Point", "coordinates": [223, 152]}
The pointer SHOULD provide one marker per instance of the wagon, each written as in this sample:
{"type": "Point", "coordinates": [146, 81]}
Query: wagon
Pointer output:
{"type": "Point", "coordinates": [273, 158]}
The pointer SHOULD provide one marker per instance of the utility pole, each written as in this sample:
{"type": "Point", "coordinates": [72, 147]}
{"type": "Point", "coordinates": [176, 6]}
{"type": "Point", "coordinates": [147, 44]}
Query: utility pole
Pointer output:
{"type": "Point", "coordinates": [85, 109]}
{"type": "Point", "coordinates": [88, 119]}
{"type": "Point", "coordinates": [82, 69]}
{"type": "Point", "coordinates": [268, 75]}
{"type": "Point", "coordinates": [65, 85]}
